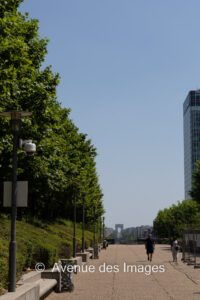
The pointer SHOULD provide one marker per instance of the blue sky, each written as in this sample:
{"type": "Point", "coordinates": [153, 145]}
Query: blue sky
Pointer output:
{"type": "Point", "coordinates": [126, 67]}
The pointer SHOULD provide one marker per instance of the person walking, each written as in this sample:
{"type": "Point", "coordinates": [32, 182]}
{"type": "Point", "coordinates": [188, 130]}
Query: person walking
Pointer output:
{"type": "Point", "coordinates": [175, 249]}
{"type": "Point", "coordinates": [150, 246]}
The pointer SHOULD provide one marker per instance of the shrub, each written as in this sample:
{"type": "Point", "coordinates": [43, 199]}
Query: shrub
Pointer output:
{"type": "Point", "coordinates": [47, 254]}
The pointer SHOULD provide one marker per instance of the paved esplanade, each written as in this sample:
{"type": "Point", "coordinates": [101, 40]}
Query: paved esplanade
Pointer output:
{"type": "Point", "coordinates": [178, 281]}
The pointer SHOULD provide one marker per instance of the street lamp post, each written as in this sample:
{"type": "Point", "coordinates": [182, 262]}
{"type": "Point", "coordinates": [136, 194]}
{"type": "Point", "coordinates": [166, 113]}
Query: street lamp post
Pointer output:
{"type": "Point", "coordinates": [15, 125]}
{"type": "Point", "coordinates": [104, 242]}
{"type": "Point", "coordinates": [97, 229]}
{"type": "Point", "coordinates": [103, 228]}
{"type": "Point", "coordinates": [169, 234]}
{"type": "Point", "coordinates": [95, 247]}
{"type": "Point", "coordinates": [94, 239]}
{"type": "Point", "coordinates": [74, 237]}
{"type": "Point", "coordinates": [100, 229]}
{"type": "Point", "coordinates": [83, 222]}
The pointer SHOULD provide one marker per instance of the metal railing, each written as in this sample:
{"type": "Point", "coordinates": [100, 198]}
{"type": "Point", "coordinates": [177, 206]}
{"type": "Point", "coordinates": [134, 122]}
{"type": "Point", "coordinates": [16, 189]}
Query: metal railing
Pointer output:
{"type": "Point", "coordinates": [191, 246]}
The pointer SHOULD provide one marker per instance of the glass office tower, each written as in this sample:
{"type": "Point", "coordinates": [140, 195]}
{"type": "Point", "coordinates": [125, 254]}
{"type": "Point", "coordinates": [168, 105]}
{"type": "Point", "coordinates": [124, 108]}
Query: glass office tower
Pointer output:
{"type": "Point", "coordinates": [191, 118]}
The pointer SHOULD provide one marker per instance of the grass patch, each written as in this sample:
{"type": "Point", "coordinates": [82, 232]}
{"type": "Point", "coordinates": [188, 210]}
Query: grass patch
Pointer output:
{"type": "Point", "coordinates": [37, 242]}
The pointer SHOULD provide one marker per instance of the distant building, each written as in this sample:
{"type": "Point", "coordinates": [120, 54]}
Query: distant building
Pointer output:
{"type": "Point", "coordinates": [119, 228]}
{"type": "Point", "coordinates": [191, 117]}
{"type": "Point", "coordinates": [108, 231]}
{"type": "Point", "coordinates": [144, 230]}
{"type": "Point", "coordinates": [140, 231]}
{"type": "Point", "coordinates": [131, 230]}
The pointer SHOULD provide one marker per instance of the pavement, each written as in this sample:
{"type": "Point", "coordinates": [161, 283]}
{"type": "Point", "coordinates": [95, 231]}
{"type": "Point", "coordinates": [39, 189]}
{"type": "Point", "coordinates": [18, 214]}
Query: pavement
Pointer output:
{"type": "Point", "coordinates": [131, 276]}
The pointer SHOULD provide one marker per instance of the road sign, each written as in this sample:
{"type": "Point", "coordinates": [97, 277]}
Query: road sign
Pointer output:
{"type": "Point", "coordinates": [22, 193]}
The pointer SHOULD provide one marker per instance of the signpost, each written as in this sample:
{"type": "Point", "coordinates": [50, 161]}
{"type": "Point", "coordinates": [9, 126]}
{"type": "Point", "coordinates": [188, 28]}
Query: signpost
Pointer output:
{"type": "Point", "coordinates": [22, 194]}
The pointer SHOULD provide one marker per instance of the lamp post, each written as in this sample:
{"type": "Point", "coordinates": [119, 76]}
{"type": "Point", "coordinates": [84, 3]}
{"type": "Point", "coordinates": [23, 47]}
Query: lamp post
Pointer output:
{"type": "Point", "coordinates": [74, 236]}
{"type": "Point", "coordinates": [15, 125]}
{"type": "Point", "coordinates": [103, 228]}
{"type": "Point", "coordinates": [97, 229]}
{"type": "Point", "coordinates": [83, 222]}
{"type": "Point", "coordinates": [104, 242]}
{"type": "Point", "coordinates": [100, 229]}
{"type": "Point", "coordinates": [96, 247]}
{"type": "Point", "coordinates": [169, 234]}
{"type": "Point", "coordinates": [94, 239]}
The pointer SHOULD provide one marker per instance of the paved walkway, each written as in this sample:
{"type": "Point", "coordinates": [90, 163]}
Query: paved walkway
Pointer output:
{"type": "Point", "coordinates": [178, 281]}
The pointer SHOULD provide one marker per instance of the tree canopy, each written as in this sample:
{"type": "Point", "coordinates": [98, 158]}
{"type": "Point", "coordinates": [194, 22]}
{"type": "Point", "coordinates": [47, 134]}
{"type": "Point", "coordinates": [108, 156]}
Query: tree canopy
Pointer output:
{"type": "Point", "coordinates": [170, 221]}
{"type": "Point", "coordinates": [64, 164]}
{"type": "Point", "coordinates": [195, 192]}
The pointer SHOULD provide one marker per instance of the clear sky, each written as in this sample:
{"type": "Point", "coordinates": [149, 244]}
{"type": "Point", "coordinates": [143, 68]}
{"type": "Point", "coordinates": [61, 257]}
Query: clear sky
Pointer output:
{"type": "Point", "coordinates": [126, 67]}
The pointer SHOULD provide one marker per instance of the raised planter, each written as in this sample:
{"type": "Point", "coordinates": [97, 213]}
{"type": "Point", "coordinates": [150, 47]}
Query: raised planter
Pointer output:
{"type": "Point", "coordinates": [85, 256]}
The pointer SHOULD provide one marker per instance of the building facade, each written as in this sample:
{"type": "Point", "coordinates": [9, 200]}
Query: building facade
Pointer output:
{"type": "Point", "coordinates": [191, 119]}
{"type": "Point", "coordinates": [140, 231]}
{"type": "Point", "coordinates": [119, 228]}
{"type": "Point", "coordinates": [108, 231]}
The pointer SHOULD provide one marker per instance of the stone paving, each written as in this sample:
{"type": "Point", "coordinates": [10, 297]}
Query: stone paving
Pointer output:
{"type": "Point", "coordinates": [167, 280]}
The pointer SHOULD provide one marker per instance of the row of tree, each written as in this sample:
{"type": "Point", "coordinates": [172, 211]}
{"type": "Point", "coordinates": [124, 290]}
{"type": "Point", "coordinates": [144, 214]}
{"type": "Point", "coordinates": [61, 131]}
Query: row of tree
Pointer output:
{"type": "Point", "coordinates": [170, 221]}
{"type": "Point", "coordinates": [64, 165]}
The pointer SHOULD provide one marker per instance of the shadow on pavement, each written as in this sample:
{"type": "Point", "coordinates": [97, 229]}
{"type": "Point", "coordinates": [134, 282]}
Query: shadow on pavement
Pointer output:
{"type": "Point", "coordinates": [166, 248]}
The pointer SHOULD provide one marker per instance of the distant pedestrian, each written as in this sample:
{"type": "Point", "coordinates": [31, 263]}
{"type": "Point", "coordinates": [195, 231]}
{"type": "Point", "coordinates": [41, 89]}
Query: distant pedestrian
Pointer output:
{"type": "Point", "coordinates": [175, 249]}
{"type": "Point", "coordinates": [150, 246]}
{"type": "Point", "coordinates": [105, 244]}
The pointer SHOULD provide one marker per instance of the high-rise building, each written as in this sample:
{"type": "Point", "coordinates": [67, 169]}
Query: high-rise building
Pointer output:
{"type": "Point", "coordinates": [191, 117]}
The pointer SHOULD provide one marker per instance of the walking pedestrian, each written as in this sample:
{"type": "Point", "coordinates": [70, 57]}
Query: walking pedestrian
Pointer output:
{"type": "Point", "coordinates": [105, 244]}
{"type": "Point", "coordinates": [150, 246]}
{"type": "Point", "coordinates": [175, 249]}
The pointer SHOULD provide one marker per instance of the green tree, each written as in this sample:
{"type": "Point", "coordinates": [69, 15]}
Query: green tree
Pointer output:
{"type": "Point", "coordinates": [64, 155]}
{"type": "Point", "coordinates": [170, 221]}
{"type": "Point", "coordinates": [195, 192]}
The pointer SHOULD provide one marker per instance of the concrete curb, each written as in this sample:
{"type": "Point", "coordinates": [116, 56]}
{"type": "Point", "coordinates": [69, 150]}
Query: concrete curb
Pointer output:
{"type": "Point", "coordinates": [29, 291]}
